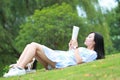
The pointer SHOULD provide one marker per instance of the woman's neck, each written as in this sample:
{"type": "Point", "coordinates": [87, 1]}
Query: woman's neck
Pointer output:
{"type": "Point", "coordinates": [90, 47]}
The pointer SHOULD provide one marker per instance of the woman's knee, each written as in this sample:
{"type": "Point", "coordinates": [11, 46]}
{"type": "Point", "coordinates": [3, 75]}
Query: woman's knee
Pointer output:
{"type": "Point", "coordinates": [36, 45]}
{"type": "Point", "coordinates": [31, 45]}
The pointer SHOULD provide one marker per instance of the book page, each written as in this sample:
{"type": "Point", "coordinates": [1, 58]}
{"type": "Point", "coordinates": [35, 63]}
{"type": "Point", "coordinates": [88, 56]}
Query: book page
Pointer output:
{"type": "Point", "coordinates": [75, 32]}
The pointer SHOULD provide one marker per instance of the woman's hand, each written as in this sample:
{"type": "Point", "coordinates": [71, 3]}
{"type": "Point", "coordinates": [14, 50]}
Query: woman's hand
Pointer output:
{"type": "Point", "coordinates": [73, 44]}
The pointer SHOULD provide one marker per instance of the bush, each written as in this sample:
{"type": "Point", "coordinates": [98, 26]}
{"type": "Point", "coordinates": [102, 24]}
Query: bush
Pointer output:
{"type": "Point", "coordinates": [5, 61]}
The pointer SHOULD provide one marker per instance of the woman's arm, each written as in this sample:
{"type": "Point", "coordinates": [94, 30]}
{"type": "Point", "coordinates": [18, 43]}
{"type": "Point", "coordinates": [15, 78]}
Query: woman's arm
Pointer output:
{"type": "Point", "coordinates": [77, 56]}
{"type": "Point", "coordinates": [73, 44]}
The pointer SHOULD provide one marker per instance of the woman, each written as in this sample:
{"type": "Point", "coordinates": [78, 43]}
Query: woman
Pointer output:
{"type": "Point", "coordinates": [60, 59]}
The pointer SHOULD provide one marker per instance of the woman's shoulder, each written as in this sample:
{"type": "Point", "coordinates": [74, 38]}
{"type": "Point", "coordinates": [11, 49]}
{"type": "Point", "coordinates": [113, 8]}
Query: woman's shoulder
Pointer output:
{"type": "Point", "coordinates": [84, 49]}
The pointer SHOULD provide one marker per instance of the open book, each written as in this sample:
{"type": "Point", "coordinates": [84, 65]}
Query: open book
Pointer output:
{"type": "Point", "coordinates": [75, 32]}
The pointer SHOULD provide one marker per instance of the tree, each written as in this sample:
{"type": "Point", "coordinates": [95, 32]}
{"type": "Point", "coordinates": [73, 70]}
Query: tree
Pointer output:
{"type": "Point", "coordinates": [113, 19]}
{"type": "Point", "coordinates": [96, 21]}
{"type": "Point", "coordinates": [51, 26]}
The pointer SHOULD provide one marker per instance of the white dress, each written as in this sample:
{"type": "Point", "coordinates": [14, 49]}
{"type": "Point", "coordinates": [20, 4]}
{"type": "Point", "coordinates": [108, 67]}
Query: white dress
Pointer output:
{"type": "Point", "coordinates": [67, 58]}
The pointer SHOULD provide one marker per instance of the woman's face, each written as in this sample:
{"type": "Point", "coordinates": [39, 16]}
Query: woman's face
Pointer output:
{"type": "Point", "coordinates": [89, 41]}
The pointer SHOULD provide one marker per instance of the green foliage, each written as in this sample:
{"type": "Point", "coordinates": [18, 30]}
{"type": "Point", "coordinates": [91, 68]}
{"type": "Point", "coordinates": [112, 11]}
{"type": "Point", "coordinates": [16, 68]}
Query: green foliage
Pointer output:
{"type": "Point", "coordinates": [113, 18]}
{"type": "Point", "coordinates": [5, 69]}
{"type": "Point", "coordinates": [51, 26]}
{"type": "Point", "coordinates": [12, 15]}
{"type": "Point", "coordinates": [5, 49]}
{"type": "Point", "coordinates": [96, 22]}
{"type": "Point", "coordinates": [5, 61]}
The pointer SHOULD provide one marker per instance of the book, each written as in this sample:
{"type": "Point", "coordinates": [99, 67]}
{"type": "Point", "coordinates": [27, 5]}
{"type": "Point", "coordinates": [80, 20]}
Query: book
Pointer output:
{"type": "Point", "coordinates": [75, 32]}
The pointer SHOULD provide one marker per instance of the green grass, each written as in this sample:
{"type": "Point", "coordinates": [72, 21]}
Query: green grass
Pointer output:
{"type": "Point", "coordinates": [106, 69]}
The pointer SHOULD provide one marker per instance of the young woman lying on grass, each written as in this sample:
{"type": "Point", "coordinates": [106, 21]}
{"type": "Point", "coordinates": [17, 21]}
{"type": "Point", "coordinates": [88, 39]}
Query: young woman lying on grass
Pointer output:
{"type": "Point", "coordinates": [60, 59]}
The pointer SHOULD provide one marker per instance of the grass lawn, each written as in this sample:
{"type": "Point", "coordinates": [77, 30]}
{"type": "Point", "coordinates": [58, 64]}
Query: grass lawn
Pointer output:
{"type": "Point", "coordinates": [106, 69]}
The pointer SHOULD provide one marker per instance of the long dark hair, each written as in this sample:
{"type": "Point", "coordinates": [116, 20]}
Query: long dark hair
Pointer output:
{"type": "Point", "coordinates": [99, 45]}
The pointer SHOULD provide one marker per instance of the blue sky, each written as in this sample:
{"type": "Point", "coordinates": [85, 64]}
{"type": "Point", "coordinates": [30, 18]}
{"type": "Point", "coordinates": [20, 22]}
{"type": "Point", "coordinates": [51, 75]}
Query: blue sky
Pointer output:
{"type": "Point", "coordinates": [105, 5]}
{"type": "Point", "coordinates": [108, 4]}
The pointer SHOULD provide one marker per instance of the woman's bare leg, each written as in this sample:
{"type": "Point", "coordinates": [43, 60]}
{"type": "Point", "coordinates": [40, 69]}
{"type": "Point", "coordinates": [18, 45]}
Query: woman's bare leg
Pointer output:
{"type": "Point", "coordinates": [23, 53]}
{"type": "Point", "coordinates": [32, 50]}
{"type": "Point", "coordinates": [27, 55]}
{"type": "Point", "coordinates": [41, 55]}
{"type": "Point", "coordinates": [42, 62]}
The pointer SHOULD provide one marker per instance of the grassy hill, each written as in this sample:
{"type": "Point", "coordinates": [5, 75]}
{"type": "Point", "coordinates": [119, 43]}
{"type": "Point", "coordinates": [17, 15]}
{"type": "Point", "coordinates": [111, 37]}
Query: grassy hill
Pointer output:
{"type": "Point", "coordinates": [106, 69]}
